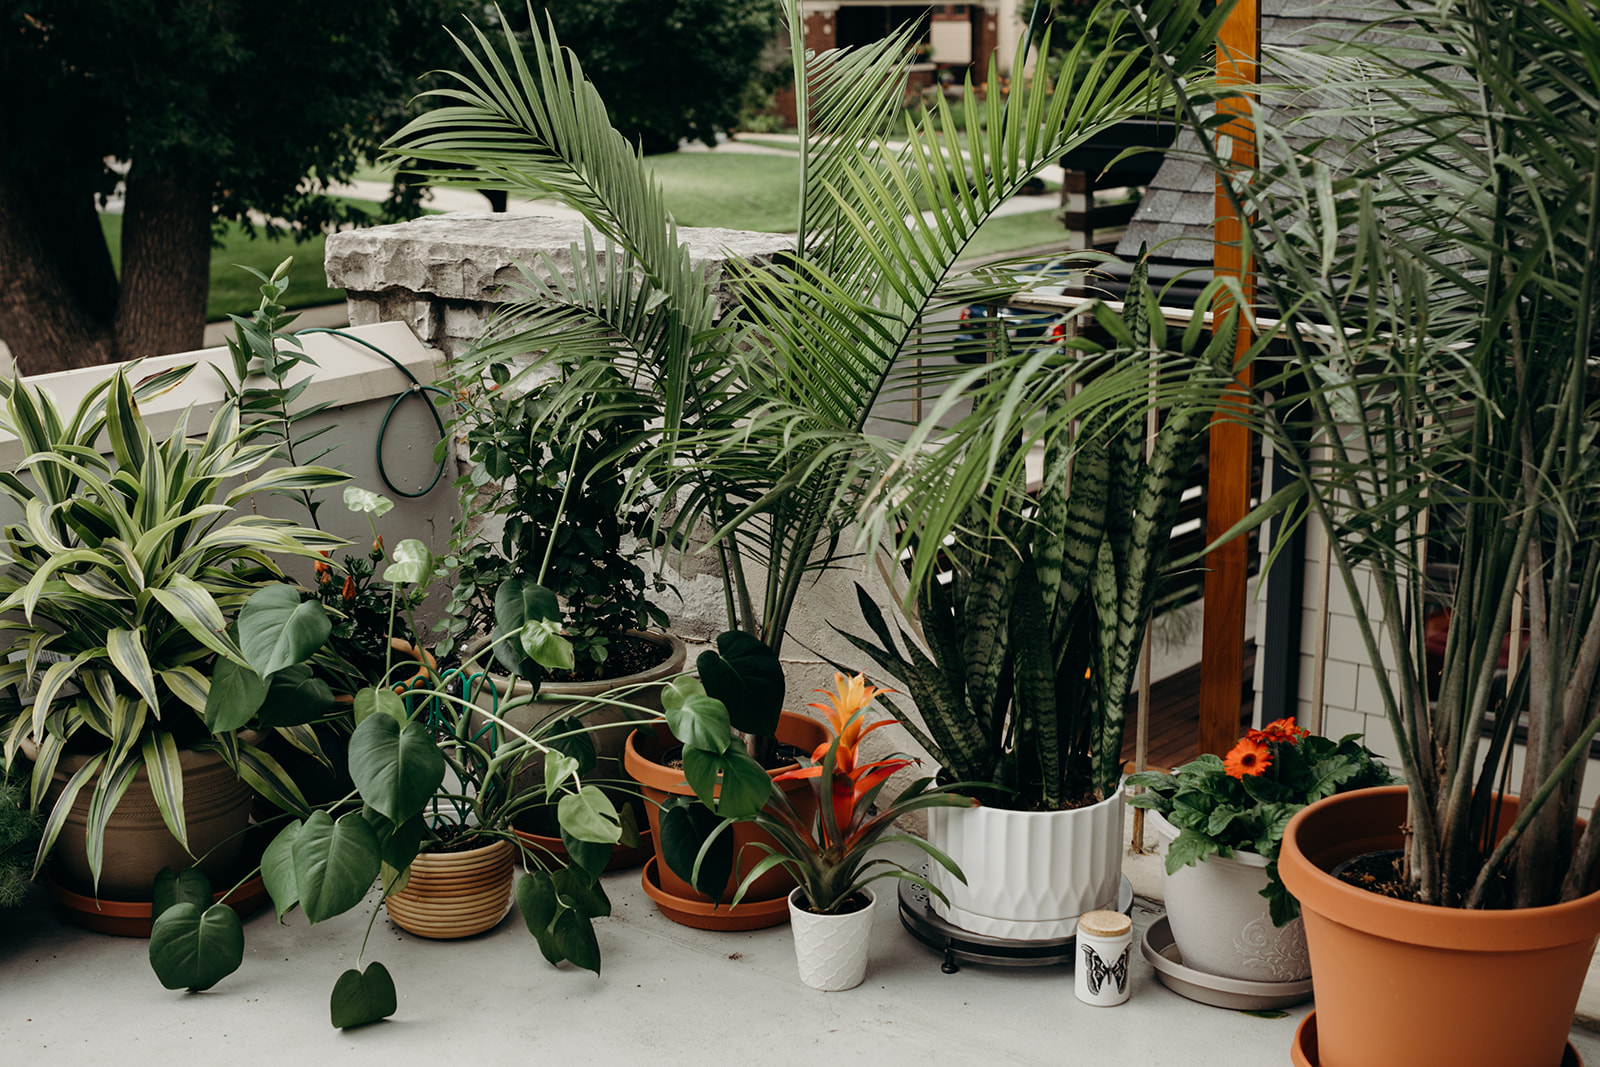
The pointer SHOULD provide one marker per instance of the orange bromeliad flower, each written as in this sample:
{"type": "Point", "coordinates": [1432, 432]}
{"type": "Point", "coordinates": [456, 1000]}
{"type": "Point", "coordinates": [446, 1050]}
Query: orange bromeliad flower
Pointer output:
{"type": "Point", "coordinates": [1279, 730]}
{"type": "Point", "coordinates": [846, 714]}
{"type": "Point", "coordinates": [1248, 757]}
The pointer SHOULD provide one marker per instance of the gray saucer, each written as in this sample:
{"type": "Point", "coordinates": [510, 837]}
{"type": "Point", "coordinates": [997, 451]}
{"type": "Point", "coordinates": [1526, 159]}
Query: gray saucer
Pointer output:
{"type": "Point", "coordinates": [1237, 993]}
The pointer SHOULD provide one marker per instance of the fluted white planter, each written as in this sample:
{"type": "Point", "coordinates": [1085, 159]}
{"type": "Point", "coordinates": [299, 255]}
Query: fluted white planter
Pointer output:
{"type": "Point", "coordinates": [1222, 923]}
{"type": "Point", "coordinates": [1029, 874]}
{"type": "Point", "coordinates": [831, 950]}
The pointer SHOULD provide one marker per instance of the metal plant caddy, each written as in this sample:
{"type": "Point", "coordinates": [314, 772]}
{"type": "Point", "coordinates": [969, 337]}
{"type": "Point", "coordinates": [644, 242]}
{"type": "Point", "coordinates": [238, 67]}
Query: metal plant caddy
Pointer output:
{"type": "Point", "coordinates": [959, 946]}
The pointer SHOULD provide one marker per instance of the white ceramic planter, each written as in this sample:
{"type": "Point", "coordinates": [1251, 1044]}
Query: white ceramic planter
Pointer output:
{"type": "Point", "coordinates": [831, 950]}
{"type": "Point", "coordinates": [1029, 874]}
{"type": "Point", "coordinates": [1221, 922]}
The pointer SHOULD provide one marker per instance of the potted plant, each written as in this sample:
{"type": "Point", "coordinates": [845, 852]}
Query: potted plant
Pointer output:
{"type": "Point", "coordinates": [1033, 644]}
{"type": "Point", "coordinates": [1220, 821]}
{"type": "Point", "coordinates": [827, 844]}
{"type": "Point", "coordinates": [19, 837]}
{"type": "Point", "coordinates": [406, 799]}
{"type": "Point", "coordinates": [123, 584]}
{"type": "Point", "coordinates": [1425, 240]}
{"type": "Point", "coordinates": [557, 494]}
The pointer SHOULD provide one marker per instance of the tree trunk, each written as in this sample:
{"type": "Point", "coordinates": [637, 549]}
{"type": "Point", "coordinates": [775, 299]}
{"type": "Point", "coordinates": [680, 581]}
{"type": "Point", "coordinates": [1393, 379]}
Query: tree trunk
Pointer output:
{"type": "Point", "coordinates": [166, 263]}
{"type": "Point", "coordinates": [57, 287]}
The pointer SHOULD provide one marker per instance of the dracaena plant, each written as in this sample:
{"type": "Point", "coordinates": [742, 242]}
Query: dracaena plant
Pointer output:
{"type": "Point", "coordinates": [829, 847]}
{"type": "Point", "coordinates": [757, 421]}
{"type": "Point", "coordinates": [122, 584]}
{"type": "Point", "coordinates": [423, 774]}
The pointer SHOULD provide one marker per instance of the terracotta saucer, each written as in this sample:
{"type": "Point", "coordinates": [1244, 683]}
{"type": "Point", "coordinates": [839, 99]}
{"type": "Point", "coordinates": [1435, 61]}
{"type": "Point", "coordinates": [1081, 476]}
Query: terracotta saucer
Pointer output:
{"type": "Point", "coordinates": [131, 918]}
{"type": "Point", "coordinates": [1304, 1051]}
{"type": "Point", "coordinates": [705, 915]}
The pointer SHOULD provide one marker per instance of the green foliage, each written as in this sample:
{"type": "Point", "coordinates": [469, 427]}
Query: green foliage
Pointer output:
{"type": "Point", "coordinates": [669, 69]}
{"type": "Point", "coordinates": [1216, 813]}
{"type": "Point", "coordinates": [19, 836]}
{"type": "Point", "coordinates": [362, 997]}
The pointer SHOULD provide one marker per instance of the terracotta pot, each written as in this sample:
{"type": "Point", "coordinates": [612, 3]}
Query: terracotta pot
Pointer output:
{"type": "Point", "coordinates": [1416, 985]}
{"type": "Point", "coordinates": [622, 857]}
{"type": "Point", "coordinates": [1030, 874]}
{"type": "Point", "coordinates": [831, 950]}
{"type": "Point", "coordinates": [641, 758]}
{"type": "Point", "coordinates": [1221, 922]}
{"type": "Point", "coordinates": [131, 918]}
{"type": "Point", "coordinates": [703, 913]}
{"type": "Point", "coordinates": [455, 894]}
{"type": "Point", "coordinates": [216, 807]}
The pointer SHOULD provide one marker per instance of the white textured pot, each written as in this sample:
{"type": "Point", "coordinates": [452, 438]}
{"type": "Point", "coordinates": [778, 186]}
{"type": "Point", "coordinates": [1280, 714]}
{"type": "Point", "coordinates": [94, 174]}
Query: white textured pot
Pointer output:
{"type": "Point", "coordinates": [1029, 874]}
{"type": "Point", "coordinates": [831, 950]}
{"type": "Point", "coordinates": [1222, 923]}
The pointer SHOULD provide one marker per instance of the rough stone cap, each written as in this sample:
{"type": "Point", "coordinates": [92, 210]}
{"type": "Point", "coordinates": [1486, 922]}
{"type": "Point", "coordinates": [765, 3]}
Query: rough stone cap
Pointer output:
{"type": "Point", "coordinates": [473, 256]}
{"type": "Point", "coordinates": [1104, 923]}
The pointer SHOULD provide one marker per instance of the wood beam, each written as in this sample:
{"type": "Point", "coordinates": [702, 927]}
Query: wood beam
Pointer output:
{"type": "Point", "coordinates": [1228, 487]}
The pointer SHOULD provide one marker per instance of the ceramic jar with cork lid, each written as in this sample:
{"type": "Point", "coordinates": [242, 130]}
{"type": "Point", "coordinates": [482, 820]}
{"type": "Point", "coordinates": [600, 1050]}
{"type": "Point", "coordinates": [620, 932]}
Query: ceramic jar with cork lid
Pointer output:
{"type": "Point", "coordinates": [1105, 949]}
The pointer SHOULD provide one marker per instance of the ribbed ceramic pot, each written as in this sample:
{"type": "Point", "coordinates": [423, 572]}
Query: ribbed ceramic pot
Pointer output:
{"type": "Point", "coordinates": [1221, 922]}
{"type": "Point", "coordinates": [1029, 874]}
{"type": "Point", "coordinates": [137, 843]}
{"type": "Point", "coordinates": [831, 950]}
{"type": "Point", "coordinates": [455, 894]}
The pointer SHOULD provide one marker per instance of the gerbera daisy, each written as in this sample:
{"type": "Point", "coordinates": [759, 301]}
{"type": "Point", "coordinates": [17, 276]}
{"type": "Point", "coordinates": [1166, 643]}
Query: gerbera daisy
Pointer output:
{"type": "Point", "coordinates": [1248, 757]}
{"type": "Point", "coordinates": [1280, 730]}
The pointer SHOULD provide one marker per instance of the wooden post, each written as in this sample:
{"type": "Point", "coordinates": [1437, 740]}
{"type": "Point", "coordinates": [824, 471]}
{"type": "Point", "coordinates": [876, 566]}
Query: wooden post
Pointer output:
{"type": "Point", "coordinates": [1228, 488]}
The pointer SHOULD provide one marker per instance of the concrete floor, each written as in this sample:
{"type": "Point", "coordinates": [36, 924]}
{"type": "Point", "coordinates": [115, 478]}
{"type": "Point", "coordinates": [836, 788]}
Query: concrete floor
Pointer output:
{"type": "Point", "coordinates": [676, 995]}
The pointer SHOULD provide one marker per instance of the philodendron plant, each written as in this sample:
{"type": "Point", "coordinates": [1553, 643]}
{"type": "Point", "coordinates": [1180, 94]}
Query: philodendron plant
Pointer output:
{"type": "Point", "coordinates": [123, 583]}
{"type": "Point", "coordinates": [421, 775]}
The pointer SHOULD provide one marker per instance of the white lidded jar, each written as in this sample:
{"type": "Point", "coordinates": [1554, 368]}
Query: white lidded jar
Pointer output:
{"type": "Point", "coordinates": [1104, 954]}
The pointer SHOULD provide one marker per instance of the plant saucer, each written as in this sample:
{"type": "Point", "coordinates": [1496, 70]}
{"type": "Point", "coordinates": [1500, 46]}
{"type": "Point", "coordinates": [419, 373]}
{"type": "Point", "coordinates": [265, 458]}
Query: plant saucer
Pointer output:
{"type": "Point", "coordinates": [1237, 993]}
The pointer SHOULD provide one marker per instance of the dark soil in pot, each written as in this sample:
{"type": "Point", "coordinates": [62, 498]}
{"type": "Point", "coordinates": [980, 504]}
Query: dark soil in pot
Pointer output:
{"type": "Point", "coordinates": [628, 655]}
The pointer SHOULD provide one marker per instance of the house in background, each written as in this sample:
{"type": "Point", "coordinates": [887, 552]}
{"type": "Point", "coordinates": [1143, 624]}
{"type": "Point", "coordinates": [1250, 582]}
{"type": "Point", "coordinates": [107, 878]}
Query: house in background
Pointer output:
{"type": "Point", "coordinates": [954, 38]}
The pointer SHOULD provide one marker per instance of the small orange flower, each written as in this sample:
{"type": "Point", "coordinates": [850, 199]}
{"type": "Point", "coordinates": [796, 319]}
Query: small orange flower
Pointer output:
{"type": "Point", "coordinates": [1248, 757]}
{"type": "Point", "coordinates": [377, 544]}
{"type": "Point", "coordinates": [324, 570]}
{"type": "Point", "coordinates": [349, 590]}
{"type": "Point", "coordinates": [1280, 730]}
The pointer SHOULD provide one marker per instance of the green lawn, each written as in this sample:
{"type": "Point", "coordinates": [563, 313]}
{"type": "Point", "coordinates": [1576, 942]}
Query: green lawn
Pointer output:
{"type": "Point", "coordinates": [1009, 233]}
{"type": "Point", "coordinates": [730, 189]}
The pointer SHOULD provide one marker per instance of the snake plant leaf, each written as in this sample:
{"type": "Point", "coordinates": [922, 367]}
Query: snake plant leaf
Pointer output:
{"type": "Point", "coordinates": [277, 870]}
{"type": "Point", "coordinates": [746, 675]}
{"type": "Point", "coordinates": [278, 629]}
{"type": "Point", "coordinates": [685, 827]}
{"type": "Point", "coordinates": [589, 815]}
{"type": "Point", "coordinates": [236, 694]}
{"type": "Point", "coordinates": [701, 722]}
{"type": "Point", "coordinates": [395, 768]}
{"type": "Point", "coordinates": [188, 886]}
{"type": "Point", "coordinates": [361, 997]}
{"type": "Point", "coordinates": [731, 783]}
{"type": "Point", "coordinates": [562, 931]}
{"type": "Point", "coordinates": [335, 863]}
{"type": "Point", "coordinates": [194, 950]}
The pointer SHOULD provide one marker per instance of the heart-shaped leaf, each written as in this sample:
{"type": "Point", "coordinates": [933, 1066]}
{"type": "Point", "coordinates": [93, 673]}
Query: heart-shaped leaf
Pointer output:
{"type": "Point", "coordinates": [194, 950]}
{"type": "Point", "coordinates": [542, 642]}
{"type": "Point", "coordinates": [335, 864]}
{"type": "Point", "coordinates": [563, 932]}
{"type": "Point", "coordinates": [681, 688]}
{"type": "Point", "coordinates": [189, 886]}
{"type": "Point", "coordinates": [685, 825]}
{"type": "Point", "coordinates": [370, 701]}
{"type": "Point", "coordinates": [576, 743]}
{"type": "Point", "coordinates": [747, 676]}
{"type": "Point", "coordinates": [359, 999]}
{"type": "Point", "coordinates": [374, 504]}
{"type": "Point", "coordinates": [399, 845]}
{"type": "Point", "coordinates": [295, 696]}
{"type": "Point", "coordinates": [413, 563]}
{"type": "Point", "coordinates": [277, 870]}
{"type": "Point", "coordinates": [701, 722]}
{"type": "Point", "coordinates": [277, 628]}
{"type": "Point", "coordinates": [730, 782]}
{"type": "Point", "coordinates": [558, 767]}
{"type": "Point", "coordinates": [396, 768]}
{"type": "Point", "coordinates": [591, 856]}
{"type": "Point", "coordinates": [582, 890]}
{"type": "Point", "coordinates": [589, 815]}
{"type": "Point", "coordinates": [516, 602]}
{"type": "Point", "coordinates": [236, 692]}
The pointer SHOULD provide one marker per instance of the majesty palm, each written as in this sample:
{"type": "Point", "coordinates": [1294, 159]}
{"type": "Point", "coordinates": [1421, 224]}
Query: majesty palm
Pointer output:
{"type": "Point", "coordinates": [762, 413]}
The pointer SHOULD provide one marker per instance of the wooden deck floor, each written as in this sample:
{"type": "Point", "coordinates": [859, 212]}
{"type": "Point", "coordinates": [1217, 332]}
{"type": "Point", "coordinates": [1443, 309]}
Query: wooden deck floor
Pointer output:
{"type": "Point", "coordinates": [1175, 714]}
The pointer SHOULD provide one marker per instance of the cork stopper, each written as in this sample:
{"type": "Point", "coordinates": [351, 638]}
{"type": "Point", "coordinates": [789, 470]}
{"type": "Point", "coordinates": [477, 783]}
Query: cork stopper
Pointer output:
{"type": "Point", "coordinates": [1104, 923]}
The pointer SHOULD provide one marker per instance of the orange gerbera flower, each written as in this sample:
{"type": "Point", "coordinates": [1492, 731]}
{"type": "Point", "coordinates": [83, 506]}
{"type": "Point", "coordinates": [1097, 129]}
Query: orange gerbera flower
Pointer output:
{"type": "Point", "coordinates": [1280, 730]}
{"type": "Point", "coordinates": [1248, 757]}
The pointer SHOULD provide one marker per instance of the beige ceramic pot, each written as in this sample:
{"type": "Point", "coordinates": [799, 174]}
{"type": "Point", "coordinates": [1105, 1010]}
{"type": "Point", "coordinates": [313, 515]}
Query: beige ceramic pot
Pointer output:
{"type": "Point", "coordinates": [455, 894]}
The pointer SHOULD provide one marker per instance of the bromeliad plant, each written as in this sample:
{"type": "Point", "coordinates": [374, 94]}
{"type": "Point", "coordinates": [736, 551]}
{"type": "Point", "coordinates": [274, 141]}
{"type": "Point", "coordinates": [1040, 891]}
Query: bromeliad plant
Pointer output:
{"type": "Point", "coordinates": [127, 576]}
{"type": "Point", "coordinates": [830, 853]}
{"type": "Point", "coordinates": [1245, 800]}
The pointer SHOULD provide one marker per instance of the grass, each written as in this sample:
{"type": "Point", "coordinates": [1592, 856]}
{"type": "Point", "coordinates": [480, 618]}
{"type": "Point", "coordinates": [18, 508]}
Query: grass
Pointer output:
{"type": "Point", "coordinates": [234, 291]}
{"type": "Point", "coordinates": [1009, 233]}
{"type": "Point", "coordinates": [729, 189]}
